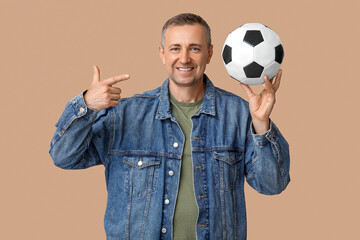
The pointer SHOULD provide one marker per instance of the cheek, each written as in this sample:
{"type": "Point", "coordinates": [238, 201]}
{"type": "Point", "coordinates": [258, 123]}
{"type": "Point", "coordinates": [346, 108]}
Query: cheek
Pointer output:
{"type": "Point", "coordinates": [208, 60]}
{"type": "Point", "coordinates": [169, 61]}
{"type": "Point", "coordinates": [203, 60]}
{"type": "Point", "coordinates": [169, 65]}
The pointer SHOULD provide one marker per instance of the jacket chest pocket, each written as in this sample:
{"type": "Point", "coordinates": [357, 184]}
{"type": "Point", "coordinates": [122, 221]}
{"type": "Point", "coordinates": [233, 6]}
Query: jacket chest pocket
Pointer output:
{"type": "Point", "coordinates": [227, 169]}
{"type": "Point", "coordinates": [141, 175]}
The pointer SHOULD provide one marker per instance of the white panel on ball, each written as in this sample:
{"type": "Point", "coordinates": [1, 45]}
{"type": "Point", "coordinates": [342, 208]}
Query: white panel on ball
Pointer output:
{"type": "Point", "coordinates": [270, 37]}
{"type": "Point", "coordinates": [234, 37]}
{"type": "Point", "coordinates": [252, 81]}
{"type": "Point", "coordinates": [264, 54]}
{"type": "Point", "coordinates": [253, 26]}
{"type": "Point", "coordinates": [271, 70]}
{"type": "Point", "coordinates": [233, 70]}
{"type": "Point", "coordinates": [244, 54]}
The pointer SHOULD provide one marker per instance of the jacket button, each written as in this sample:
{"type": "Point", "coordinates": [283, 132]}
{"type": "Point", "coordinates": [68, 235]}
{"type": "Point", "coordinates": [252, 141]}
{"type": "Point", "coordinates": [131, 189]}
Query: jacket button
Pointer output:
{"type": "Point", "coordinates": [167, 201]}
{"type": "Point", "coordinates": [163, 230]}
{"type": "Point", "coordinates": [175, 144]}
{"type": "Point", "coordinates": [171, 173]}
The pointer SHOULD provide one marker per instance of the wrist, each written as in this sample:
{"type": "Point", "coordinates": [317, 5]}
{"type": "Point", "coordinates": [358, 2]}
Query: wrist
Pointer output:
{"type": "Point", "coordinates": [86, 101]}
{"type": "Point", "coordinates": [261, 127]}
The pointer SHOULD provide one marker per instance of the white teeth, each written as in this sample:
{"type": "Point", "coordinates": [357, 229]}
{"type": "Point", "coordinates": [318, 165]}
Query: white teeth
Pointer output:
{"type": "Point", "coordinates": [184, 69]}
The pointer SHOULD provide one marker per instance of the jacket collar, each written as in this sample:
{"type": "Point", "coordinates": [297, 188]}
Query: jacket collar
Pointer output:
{"type": "Point", "coordinates": [207, 107]}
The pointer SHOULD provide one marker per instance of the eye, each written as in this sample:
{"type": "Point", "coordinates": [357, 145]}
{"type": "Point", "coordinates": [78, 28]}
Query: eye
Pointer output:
{"type": "Point", "coordinates": [195, 49]}
{"type": "Point", "coordinates": [174, 49]}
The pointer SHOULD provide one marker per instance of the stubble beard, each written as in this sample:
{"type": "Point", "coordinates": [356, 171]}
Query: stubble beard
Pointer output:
{"type": "Point", "coordinates": [192, 83]}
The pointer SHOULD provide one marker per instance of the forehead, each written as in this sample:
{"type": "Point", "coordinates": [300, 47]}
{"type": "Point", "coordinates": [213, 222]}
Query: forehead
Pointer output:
{"type": "Point", "coordinates": [185, 33]}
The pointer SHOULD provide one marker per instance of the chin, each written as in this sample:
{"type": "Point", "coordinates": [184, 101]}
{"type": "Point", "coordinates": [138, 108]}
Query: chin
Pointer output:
{"type": "Point", "coordinates": [185, 82]}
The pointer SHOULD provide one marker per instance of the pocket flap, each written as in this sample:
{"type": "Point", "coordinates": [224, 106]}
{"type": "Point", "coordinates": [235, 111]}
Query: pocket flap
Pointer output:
{"type": "Point", "coordinates": [142, 161]}
{"type": "Point", "coordinates": [230, 157]}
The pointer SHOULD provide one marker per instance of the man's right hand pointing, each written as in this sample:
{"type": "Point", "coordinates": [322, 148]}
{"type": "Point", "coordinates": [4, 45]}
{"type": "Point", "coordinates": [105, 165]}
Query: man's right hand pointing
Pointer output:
{"type": "Point", "coordinates": [101, 93]}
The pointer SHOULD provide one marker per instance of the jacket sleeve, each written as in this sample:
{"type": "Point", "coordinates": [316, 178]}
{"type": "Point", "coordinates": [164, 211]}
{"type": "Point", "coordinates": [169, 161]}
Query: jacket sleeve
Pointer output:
{"type": "Point", "coordinates": [267, 161]}
{"type": "Point", "coordinates": [81, 137]}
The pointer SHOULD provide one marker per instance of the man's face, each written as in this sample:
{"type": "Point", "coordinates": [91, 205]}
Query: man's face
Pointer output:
{"type": "Point", "coordinates": [185, 54]}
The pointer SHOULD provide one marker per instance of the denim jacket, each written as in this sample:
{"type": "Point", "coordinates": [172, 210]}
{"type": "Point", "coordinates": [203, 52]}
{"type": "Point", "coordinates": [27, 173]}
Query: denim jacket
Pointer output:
{"type": "Point", "coordinates": [140, 144]}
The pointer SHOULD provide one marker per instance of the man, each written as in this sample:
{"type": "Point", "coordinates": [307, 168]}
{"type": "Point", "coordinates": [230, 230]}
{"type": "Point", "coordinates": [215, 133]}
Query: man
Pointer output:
{"type": "Point", "coordinates": [176, 157]}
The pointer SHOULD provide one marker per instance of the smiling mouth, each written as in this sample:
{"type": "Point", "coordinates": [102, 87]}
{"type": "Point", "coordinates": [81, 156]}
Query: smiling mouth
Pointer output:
{"type": "Point", "coordinates": [185, 69]}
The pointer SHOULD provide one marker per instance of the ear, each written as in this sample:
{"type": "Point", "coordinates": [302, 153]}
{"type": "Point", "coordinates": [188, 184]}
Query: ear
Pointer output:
{"type": "Point", "coordinates": [161, 54]}
{"type": "Point", "coordinates": [210, 54]}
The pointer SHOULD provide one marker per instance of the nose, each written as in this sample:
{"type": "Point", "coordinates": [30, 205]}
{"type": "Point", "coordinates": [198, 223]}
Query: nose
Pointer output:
{"type": "Point", "coordinates": [184, 57]}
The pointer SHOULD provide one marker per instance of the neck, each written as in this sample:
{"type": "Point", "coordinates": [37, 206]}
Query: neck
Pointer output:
{"type": "Point", "coordinates": [187, 94]}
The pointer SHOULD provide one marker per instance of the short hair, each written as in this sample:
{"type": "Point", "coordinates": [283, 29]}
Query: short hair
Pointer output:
{"type": "Point", "coordinates": [186, 19]}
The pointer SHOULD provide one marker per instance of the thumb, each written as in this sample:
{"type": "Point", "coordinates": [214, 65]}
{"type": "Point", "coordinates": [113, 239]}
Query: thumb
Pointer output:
{"type": "Point", "coordinates": [247, 90]}
{"type": "Point", "coordinates": [96, 77]}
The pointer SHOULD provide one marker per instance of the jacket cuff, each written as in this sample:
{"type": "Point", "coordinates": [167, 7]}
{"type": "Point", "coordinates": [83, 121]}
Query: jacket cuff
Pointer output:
{"type": "Point", "coordinates": [77, 108]}
{"type": "Point", "coordinates": [81, 109]}
{"type": "Point", "coordinates": [262, 139]}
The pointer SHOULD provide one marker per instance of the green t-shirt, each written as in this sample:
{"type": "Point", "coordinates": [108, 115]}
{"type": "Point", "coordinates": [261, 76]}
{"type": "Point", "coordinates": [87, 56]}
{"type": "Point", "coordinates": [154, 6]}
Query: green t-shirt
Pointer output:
{"type": "Point", "coordinates": [186, 209]}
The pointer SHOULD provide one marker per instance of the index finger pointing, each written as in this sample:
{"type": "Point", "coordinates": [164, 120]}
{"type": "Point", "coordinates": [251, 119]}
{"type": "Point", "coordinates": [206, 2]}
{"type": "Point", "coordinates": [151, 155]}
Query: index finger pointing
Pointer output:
{"type": "Point", "coordinates": [116, 79]}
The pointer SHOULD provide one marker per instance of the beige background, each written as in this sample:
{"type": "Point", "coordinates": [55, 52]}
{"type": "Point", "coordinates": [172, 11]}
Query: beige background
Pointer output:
{"type": "Point", "coordinates": [47, 49]}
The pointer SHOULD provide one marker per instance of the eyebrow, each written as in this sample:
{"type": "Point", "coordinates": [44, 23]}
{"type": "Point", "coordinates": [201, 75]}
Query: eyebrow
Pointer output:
{"type": "Point", "coordinates": [190, 45]}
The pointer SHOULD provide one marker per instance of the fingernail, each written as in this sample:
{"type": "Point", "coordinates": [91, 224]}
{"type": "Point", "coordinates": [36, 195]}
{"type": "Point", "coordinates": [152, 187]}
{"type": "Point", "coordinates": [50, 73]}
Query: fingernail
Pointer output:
{"type": "Point", "coordinates": [127, 75]}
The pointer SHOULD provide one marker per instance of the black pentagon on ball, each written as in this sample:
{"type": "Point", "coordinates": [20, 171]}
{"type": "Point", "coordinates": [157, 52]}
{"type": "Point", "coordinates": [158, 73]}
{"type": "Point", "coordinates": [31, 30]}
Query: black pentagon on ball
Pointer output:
{"type": "Point", "coordinates": [253, 70]}
{"type": "Point", "coordinates": [253, 37]}
{"type": "Point", "coordinates": [279, 54]}
{"type": "Point", "coordinates": [226, 54]}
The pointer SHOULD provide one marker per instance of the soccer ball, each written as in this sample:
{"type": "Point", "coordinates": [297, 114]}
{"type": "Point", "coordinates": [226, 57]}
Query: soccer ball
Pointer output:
{"type": "Point", "coordinates": [252, 51]}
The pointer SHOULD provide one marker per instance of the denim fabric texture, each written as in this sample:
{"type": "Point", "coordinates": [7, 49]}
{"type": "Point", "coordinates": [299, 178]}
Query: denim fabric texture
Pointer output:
{"type": "Point", "coordinates": [140, 144]}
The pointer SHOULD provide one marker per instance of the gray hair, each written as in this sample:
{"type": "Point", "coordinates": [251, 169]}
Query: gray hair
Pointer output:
{"type": "Point", "coordinates": [186, 19]}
